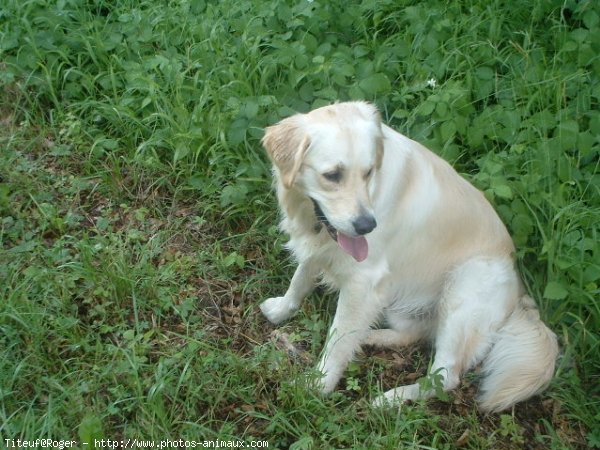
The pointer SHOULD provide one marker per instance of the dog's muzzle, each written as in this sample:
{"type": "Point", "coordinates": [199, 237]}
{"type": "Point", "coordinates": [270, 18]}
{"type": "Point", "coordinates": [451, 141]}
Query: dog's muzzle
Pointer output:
{"type": "Point", "coordinates": [356, 246]}
{"type": "Point", "coordinates": [322, 220]}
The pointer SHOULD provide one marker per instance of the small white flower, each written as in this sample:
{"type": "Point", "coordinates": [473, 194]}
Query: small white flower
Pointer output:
{"type": "Point", "coordinates": [432, 82]}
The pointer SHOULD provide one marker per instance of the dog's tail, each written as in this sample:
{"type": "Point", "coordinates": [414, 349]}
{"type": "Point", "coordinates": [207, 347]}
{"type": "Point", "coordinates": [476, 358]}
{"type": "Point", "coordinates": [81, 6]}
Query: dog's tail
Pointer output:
{"type": "Point", "coordinates": [521, 362]}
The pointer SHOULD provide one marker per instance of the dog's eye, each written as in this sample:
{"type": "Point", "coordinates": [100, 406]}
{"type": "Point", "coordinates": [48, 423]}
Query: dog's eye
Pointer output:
{"type": "Point", "coordinates": [368, 173]}
{"type": "Point", "coordinates": [334, 176]}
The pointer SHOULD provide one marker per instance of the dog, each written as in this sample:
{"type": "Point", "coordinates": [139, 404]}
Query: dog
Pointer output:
{"type": "Point", "coordinates": [411, 246]}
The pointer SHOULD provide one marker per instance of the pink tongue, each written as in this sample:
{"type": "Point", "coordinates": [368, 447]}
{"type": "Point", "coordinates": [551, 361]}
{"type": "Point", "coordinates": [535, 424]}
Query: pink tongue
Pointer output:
{"type": "Point", "coordinates": [357, 247]}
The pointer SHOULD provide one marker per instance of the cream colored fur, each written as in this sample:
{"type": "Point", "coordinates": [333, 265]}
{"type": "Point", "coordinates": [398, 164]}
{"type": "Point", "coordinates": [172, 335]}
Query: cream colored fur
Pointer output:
{"type": "Point", "coordinates": [439, 266]}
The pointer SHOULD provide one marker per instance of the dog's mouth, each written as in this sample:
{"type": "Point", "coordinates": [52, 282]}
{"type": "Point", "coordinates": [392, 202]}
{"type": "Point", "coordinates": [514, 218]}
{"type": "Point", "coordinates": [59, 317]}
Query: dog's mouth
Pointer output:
{"type": "Point", "coordinates": [357, 247]}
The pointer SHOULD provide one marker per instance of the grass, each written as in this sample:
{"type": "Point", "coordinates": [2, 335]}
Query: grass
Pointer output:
{"type": "Point", "coordinates": [138, 232]}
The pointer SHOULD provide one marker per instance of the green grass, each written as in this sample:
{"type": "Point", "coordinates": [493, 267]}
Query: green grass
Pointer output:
{"type": "Point", "coordinates": [138, 228]}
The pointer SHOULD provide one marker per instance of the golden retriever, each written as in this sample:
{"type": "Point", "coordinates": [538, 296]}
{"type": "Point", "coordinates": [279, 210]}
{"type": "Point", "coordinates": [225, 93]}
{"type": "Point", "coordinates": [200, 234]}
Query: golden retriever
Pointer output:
{"type": "Point", "coordinates": [411, 246]}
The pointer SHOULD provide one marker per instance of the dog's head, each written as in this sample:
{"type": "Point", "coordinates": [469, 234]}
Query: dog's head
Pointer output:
{"type": "Point", "coordinates": [331, 155]}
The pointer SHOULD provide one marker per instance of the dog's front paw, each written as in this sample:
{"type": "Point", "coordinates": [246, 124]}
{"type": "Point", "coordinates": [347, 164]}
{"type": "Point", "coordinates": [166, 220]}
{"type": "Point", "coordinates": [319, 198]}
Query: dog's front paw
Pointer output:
{"type": "Point", "coordinates": [328, 378]}
{"type": "Point", "coordinates": [398, 396]}
{"type": "Point", "coordinates": [319, 383]}
{"type": "Point", "coordinates": [326, 384]}
{"type": "Point", "coordinates": [277, 309]}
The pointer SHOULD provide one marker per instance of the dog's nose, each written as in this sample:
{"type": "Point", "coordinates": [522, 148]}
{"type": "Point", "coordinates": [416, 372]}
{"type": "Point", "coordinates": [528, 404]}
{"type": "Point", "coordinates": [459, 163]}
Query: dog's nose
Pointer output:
{"type": "Point", "coordinates": [364, 224]}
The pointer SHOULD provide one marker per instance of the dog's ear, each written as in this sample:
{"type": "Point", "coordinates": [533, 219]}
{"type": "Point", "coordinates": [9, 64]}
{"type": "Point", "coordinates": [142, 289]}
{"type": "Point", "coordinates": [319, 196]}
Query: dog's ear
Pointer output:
{"type": "Point", "coordinates": [370, 112]}
{"type": "Point", "coordinates": [286, 144]}
{"type": "Point", "coordinates": [378, 142]}
{"type": "Point", "coordinates": [378, 153]}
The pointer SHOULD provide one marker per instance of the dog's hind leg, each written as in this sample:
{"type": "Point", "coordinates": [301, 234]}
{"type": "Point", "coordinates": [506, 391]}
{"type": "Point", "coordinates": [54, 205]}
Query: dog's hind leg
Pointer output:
{"type": "Point", "coordinates": [278, 309]}
{"type": "Point", "coordinates": [405, 332]}
{"type": "Point", "coordinates": [478, 298]}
